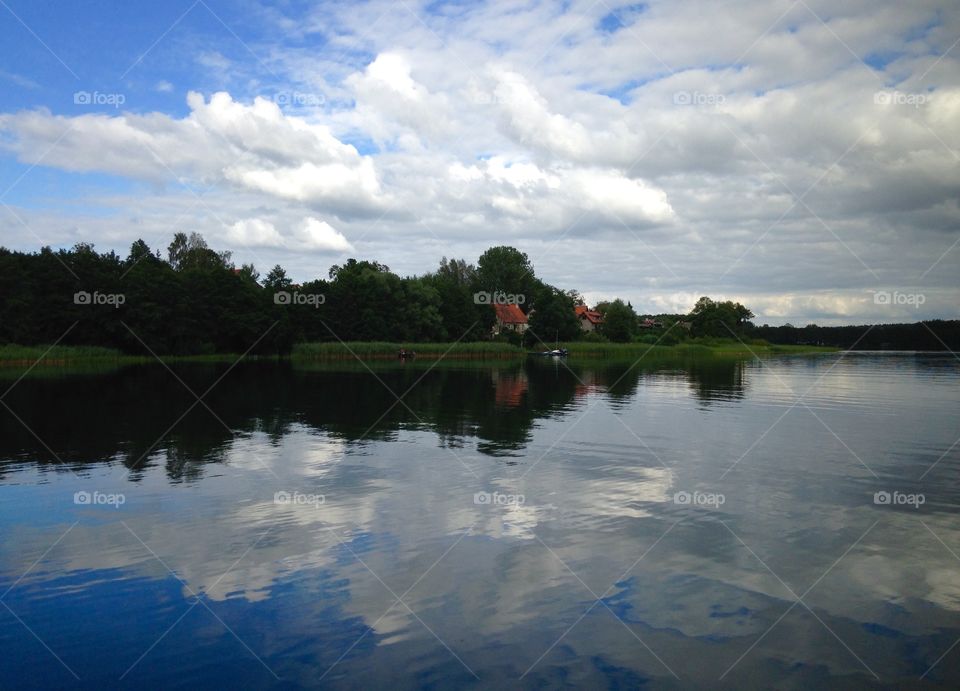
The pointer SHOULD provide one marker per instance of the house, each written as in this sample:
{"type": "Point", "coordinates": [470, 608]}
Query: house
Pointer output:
{"type": "Point", "coordinates": [589, 319]}
{"type": "Point", "coordinates": [509, 318]}
{"type": "Point", "coordinates": [650, 324]}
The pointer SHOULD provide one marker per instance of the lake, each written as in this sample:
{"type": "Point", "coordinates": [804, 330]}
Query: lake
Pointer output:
{"type": "Point", "coordinates": [790, 523]}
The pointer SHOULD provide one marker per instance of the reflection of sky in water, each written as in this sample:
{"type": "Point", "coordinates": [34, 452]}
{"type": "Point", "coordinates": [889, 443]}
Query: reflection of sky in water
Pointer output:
{"type": "Point", "coordinates": [499, 583]}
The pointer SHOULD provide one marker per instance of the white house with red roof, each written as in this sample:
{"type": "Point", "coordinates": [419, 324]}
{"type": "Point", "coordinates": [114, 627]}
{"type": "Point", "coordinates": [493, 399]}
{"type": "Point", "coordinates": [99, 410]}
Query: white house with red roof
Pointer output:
{"type": "Point", "coordinates": [589, 319]}
{"type": "Point", "coordinates": [509, 318]}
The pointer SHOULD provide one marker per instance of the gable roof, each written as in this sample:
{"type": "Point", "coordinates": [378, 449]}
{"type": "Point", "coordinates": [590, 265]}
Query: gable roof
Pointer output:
{"type": "Point", "coordinates": [584, 312]}
{"type": "Point", "coordinates": [510, 314]}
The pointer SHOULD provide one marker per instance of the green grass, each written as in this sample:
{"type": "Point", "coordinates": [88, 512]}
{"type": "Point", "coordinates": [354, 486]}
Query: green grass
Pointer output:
{"type": "Point", "coordinates": [26, 356]}
{"type": "Point", "coordinates": [374, 350]}
{"type": "Point", "coordinates": [371, 350]}
{"type": "Point", "coordinates": [16, 354]}
{"type": "Point", "coordinates": [693, 348]}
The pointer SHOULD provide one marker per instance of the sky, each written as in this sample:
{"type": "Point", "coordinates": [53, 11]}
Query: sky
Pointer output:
{"type": "Point", "coordinates": [800, 157]}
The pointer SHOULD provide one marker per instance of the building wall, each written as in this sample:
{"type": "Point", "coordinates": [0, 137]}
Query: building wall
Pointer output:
{"type": "Point", "coordinates": [500, 327]}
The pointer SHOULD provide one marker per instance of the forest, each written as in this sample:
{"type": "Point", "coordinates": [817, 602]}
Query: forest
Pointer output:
{"type": "Point", "coordinates": [194, 300]}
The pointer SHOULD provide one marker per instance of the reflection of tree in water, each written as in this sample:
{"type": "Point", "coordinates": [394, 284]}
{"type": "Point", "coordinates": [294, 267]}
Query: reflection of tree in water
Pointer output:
{"type": "Point", "coordinates": [716, 380]}
{"type": "Point", "coordinates": [136, 415]}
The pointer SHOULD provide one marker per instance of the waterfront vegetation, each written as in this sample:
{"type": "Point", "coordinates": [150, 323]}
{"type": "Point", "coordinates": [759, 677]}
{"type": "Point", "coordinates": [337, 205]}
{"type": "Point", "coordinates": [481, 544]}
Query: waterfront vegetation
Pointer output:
{"type": "Point", "coordinates": [195, 304]}
{"type": "Point", "coordinates": [25, 356]}
{"type": "Point", "coordinates": [55, 355]}
{"type": "Point", "coordinates": [486, 350]}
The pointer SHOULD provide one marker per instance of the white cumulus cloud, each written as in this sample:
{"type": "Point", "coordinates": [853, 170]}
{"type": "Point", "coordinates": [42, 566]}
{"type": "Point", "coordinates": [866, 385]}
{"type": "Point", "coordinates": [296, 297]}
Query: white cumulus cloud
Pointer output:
{"type": "Point", "coordinates": [310, 235]}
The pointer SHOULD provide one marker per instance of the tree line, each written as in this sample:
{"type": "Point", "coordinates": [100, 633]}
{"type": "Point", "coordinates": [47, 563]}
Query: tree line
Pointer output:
{"type": "Point", "coordinates": [195, 300]}
{"type": "Point", "coordinates": [936, 334]}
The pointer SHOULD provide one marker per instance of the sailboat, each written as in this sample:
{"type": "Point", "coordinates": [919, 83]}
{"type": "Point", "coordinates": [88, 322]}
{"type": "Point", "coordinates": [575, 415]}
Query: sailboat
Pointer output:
{"type": "Point", "coordinates": [556, 352]}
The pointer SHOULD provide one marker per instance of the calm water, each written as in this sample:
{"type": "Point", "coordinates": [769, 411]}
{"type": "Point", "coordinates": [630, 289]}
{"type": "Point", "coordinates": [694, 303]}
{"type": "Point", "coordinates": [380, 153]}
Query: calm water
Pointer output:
{"type": "Point", "coordinates": [509, 526]}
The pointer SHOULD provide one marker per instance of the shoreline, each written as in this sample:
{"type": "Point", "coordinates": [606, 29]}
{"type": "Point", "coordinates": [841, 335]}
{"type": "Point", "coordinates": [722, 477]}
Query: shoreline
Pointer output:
{"type": "Point", "coordinates": [68, 356]}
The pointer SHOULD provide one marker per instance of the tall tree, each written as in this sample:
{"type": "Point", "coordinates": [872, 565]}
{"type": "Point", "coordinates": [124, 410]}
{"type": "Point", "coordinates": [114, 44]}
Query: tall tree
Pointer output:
{"type": "Point", "coordinates": [619, 321]}
{"type": "Point", "coordinates": [509, 270]}
{"type": "Point", "coordinates": [718, 319]}
{"type": "Point", "coordinates": [277, 279]}
{"type": "Point", "coordinates": [552, 320]}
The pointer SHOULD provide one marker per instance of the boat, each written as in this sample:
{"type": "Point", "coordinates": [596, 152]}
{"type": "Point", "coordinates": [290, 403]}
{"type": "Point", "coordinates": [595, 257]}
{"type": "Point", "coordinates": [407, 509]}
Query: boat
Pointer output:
{"type": "Point", "coordinates": [556, 352]}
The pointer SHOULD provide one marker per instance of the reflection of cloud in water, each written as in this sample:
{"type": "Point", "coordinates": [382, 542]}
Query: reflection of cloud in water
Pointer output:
{"type": "Point", "coordinates": [512, 521]}
{"type": "Point", "coordinates": [313, 454]}
{"type": "Point", "coordinates": [598, 499]}
{"type": "Point", "coordinates": [625, 495]}
{"type": "Point", "coordinates": [900, 565]}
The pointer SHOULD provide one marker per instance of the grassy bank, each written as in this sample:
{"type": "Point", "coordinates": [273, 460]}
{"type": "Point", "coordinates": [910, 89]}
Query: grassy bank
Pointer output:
{"type": "Point", "coordinates": [16, 355]}
{"type": "Point", "coordinates": [26, 356]}
{"type": "Point", "coordinates": [576, 349]}
{"type": "Point", "coordinates": [688, 349]}
{"type": "Point", "coordinates": [373, 350]}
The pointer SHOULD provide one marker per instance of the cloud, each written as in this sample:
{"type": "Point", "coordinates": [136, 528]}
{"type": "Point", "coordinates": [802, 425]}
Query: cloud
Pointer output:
{"type": "Point", "coordinates": [254, 146]}
{"type": "Point", "coordinates": [19, 80]}
{"type": "Point", "coordinates": [254, 232]}
{"type": "Point", "coordinates": [319, 235]}
{"type": "Point", "coordinates": [525, 116]}
{"type": "Point", "coordinates": [626, 199]}
{"type": "Point", "coordinates": [685, 149]}
{"type": "Point", "coordinates": [397, 109]}
{"type": "Point", "coordinates": [311, 235]}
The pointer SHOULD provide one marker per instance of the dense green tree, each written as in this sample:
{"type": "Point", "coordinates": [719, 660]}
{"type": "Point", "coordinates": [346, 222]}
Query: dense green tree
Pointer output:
{"type": "Point", "coordinates": [718, 319]}
{"type": "Point", "coordinates": [192, 252]}
{"type": "Point", "coordinates": [462, 318]}
{"type": "Point", "coordinates": [138, 250]}
{"type": "Point", "coordinates": [936, 334]}
{"type": "Point", "coordinates": [277, 279]}
{"type": "Point", "coordinates": [508, 270]}
{"type": "Point", "coordinates": [248, 272]}
{"type": "Point", "coordinates": [196, 302]}
{"type": "Point", "coordinates": [619, 321]}
{"type": "Point", "coordinates": [552, 320]}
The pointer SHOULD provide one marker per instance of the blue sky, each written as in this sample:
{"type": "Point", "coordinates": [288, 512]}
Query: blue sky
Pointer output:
{"type": "Point", "coordinates": [797, 156]}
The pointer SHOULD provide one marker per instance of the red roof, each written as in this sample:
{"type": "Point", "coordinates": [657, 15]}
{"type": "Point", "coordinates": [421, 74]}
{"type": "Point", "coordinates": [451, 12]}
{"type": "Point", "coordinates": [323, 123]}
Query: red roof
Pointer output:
{"type": "Point", "coordinates": [582, 311]}
{"type": "Point", "coordinates": [510, 314]}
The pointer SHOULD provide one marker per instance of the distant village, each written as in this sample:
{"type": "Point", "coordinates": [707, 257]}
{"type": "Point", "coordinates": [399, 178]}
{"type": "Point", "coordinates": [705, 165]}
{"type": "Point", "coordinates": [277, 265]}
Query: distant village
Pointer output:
{"type": "Point", "coordinates": [510, 318]}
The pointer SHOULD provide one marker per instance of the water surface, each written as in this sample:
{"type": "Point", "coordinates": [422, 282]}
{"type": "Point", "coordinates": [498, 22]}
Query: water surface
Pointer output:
{"type": "Point", "coordinates": [708, 524]}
